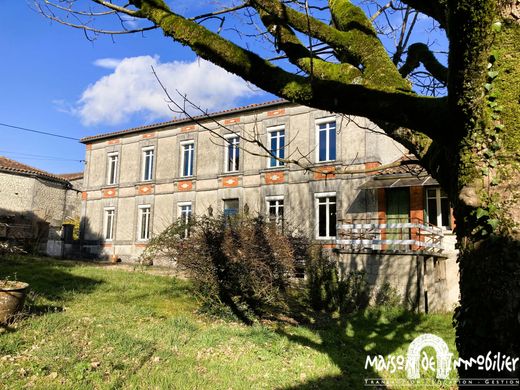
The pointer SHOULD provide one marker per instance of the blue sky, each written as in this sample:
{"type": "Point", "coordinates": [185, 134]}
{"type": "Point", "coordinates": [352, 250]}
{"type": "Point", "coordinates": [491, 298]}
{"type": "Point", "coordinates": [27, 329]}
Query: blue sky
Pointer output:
{"type": "Point", "coordinates": [55, 80]}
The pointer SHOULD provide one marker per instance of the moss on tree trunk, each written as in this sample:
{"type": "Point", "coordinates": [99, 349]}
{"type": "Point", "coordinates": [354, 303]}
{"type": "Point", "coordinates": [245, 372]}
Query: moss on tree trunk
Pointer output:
{"type": "Point", "coordinates": [487, 190]}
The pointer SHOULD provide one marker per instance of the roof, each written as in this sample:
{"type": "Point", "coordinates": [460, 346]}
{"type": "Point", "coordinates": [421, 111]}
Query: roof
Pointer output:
{"type": "Point", "coordinates": [409, 165]}
{"type": "Point", "coordinates": [159, 125]}
{"type": "Point", "coordinates": [12, 166]}
{"type": "Point", "coordinates": [71, 176]}
{"type": "Point", "coordinates": [409, 174]}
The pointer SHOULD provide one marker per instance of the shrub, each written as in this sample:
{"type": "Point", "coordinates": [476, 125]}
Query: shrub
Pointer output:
{"type": "Point", "coordinates": [328, 291]}
{"type": "Point", "coordinates": [322, 281]}
{"type": "Point", "coordinates": [242, 262]}
{"type": "Point", "coordinates": [387, 296]}
{"type": "Point", "coordinates": [353, 292]}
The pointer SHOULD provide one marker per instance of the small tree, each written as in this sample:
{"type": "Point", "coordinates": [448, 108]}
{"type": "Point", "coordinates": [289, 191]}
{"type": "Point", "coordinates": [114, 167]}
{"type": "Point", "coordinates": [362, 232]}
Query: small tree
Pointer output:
{"type": "Point", "coordinates": [242, 262]}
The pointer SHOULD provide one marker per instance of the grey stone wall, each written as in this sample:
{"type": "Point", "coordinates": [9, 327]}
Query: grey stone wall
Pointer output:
{"type": "Point", "coordinates": [415, 278]}
{"type": "Point", "coordinates": [16, 192]}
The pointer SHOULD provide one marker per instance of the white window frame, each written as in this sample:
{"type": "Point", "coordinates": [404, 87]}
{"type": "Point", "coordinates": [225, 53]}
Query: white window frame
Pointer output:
{"type": "Point", "coordinates": [148, 175]}
{"type": "Point", "coordinates": [438, 204]}
{"type": "Point", "coordinates": [184, 217]}
{"type": "Point", "coordinates": [234, 163]}
{"type": "Point", "coordinates": [276, 152]}
{"type": "Point", "coordinates": [278, 219]}
{"type": "Point", "coordinates": [112, 167]}
{"type": "Point", "coordinates": [191, 158]}
{"type": "Point", "coordinates": [319, 122]}
{"type": "Point", "coordinates": [317, 198]}
{"type": "Point", "coordinates": [146, 234]}
{"type": "Point", "coordinates": [109, 212]}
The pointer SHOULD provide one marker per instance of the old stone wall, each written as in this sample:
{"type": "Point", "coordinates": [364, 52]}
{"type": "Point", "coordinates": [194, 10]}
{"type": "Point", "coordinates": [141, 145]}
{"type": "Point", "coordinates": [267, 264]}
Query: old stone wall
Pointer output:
{"type": "Point", "coordinates": [422, 282]}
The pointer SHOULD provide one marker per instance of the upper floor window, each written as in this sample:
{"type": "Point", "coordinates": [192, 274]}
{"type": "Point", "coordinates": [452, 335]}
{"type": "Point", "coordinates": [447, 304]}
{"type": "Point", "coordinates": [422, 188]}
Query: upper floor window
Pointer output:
{"type": "Point", "coordinates": [109, 223]}
{"type": "Point", "coordinates": [326, 140]}
{"type": "Point", "coordinates": [144, 222]}
{"type": "Point", "coordinates": [113, 166]}
{"type": "Point", "coordinates": [276, 146]}
{"type": "Point", "coordinates": [148, 161]}
{"type": "Point", "coordinates": [185, 213]}
{"type": "Point", "coordinates": [326, 215]}
{"type": "Point", "coordinates": [232, 153]}
{"type": "Point", "coordinates": [437, 208]}
{"type": "Point", "coordinates": [187, 158]}
{"type": "Point", "coordinates": [275, 209]}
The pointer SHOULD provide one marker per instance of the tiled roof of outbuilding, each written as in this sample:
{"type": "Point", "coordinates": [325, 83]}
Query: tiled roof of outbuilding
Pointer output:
{"type": "Point", "coordinates": [12, 166]}
{"type": "Point", "coordinates": [71, 176]}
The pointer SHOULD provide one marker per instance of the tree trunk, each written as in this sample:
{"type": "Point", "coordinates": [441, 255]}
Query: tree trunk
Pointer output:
{"type": "Point", "coordinates": [485, 106]}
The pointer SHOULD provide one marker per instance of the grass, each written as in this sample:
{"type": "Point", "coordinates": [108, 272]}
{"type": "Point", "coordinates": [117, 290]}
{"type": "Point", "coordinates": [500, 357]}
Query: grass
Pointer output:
{"type": "Point", "coordinates": [91, 327]}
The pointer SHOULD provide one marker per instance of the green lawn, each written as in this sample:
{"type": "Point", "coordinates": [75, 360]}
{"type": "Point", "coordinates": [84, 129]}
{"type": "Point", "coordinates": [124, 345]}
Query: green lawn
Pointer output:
{"type": "Point", "coordinates": [91, 327]}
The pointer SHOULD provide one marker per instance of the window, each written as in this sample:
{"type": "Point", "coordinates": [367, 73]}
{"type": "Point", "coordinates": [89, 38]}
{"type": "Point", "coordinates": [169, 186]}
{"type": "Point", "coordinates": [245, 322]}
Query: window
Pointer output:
{"type": "Point", "coordinates": [230, 207]}
{"type": "Point", "coordinates": [276, 146]}
{"type": "Point", "coordinates": [232, 153]}
{"type": "Point", "coordinates": [148, 156]}
{"type": "Point", "coordinates": [188, 157]}
{"type": "Point", "coordinates": [326, 215]}
{"type": "Point", "coordinates": [144, 222]}
{"type": "Point", "coordinates": [437, 208]}
{"type": "Point", "coordinates": [275, 209]}
{"type": "Point", "coordinates": [185, 212]}
{"type": "Point", "coordinates": [108, 230]}
{"type": "Point", "coordinates": [326, 139]}
{"type": "Point", "coordinates": [113, 161]}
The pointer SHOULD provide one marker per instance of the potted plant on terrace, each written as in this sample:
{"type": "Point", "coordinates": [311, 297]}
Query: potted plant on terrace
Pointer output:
{"type": "Point", "coordinates": [12, 298]}
{"type": "Point", "coordinates": [12, 292]}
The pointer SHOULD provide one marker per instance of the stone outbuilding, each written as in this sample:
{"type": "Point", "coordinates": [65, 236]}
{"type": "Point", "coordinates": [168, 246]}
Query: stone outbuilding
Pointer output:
{"type": "Point", "coordinates": [34, 204]}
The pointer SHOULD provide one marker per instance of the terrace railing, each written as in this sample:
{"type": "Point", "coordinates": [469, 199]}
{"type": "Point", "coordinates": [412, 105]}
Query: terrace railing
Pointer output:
{"type": "Point", "coordinates": [412, 236]}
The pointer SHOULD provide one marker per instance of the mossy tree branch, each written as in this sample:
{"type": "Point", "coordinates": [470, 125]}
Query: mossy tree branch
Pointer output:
{"type": "Point", "coordinates": [363, 41]}
{"type": "Point", "coordinates": [420, 53]}
{"type": "Point", "coordinates": [302, 57]}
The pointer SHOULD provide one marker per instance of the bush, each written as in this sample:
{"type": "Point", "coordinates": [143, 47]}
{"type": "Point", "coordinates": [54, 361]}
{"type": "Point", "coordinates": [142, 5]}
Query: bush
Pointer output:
{"type": "Point", "coordinates": [354, 292]}
{"type": "Point", "coordinates": [327, 291]}
{"type": "Point", "coordinates": [387, 296]}
{"type": "Point", "coordinates": [241, 262]}
{"type": "Point", "coordinates": [322, 281]}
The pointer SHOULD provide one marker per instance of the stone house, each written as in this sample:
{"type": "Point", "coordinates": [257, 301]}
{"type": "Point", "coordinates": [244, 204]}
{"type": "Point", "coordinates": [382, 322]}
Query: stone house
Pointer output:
{"type": "Point", "coordinates": [138, 181]}
{"type": "Point", "coordinates": [34, 204]}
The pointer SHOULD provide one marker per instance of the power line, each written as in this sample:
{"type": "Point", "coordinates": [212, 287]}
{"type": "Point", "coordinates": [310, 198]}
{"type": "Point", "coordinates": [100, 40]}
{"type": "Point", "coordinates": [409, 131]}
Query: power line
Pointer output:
{"type": "Point", "coordinates": [38, 156]}
{"type": "Point", "coordinates": [38, 131]}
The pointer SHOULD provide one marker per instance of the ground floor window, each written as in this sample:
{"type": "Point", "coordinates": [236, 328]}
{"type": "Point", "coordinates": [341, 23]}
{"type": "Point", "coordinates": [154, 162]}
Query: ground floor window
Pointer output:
{"type": "Point", "coordinates": [326, 215]}
{"type": "Point", "coordinates": [437, 208]}
{"type": "Point", "coordinates": [144, 222]}
{"type": "Point", "coordinates": [230, 207]}
{"type": "Point", "coordinates": [108, 230]}
{"type": "Point", "coordinates": [185, 213]}
{"type": "Point", "coordinates": [275, 209]}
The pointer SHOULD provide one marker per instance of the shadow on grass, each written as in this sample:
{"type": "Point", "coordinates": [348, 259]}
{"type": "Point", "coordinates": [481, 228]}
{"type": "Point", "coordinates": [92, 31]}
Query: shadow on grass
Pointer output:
{"type": "Point", "coordinates": [48, 279]}
{"type": "Point", "coordinates": [348, 340]}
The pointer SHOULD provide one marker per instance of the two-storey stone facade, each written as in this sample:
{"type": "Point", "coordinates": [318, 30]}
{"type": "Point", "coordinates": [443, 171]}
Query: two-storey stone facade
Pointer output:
{"type": "Point", "coordinates": [138, 181]}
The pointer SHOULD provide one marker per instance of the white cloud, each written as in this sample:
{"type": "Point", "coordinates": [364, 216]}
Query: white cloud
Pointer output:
{"type": "Point", "coordinates": [133, 89]}
{"type": "Point", "coordinates": [108, 63]}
